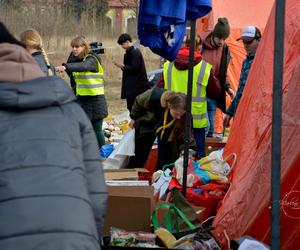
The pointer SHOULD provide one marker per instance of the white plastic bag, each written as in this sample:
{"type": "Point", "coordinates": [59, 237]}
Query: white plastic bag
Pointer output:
{"type": "Point", "coordinates": [120, 156]}
{"type": "Point", "coordinates": [216, 164]}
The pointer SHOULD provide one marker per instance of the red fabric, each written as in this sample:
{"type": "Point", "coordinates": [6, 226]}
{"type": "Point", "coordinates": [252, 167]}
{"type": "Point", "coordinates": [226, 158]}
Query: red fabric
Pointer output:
{"type": "Point", "coordinates": [150, 165]}
{"type": "Point", "coordinates": [181, 61]}
{"type": "Point", "coordinates": [207, 201]}
{"type": "Point", "coordinates": [246, 208]}
{"type": "Point", "coordinates": [200, 199]}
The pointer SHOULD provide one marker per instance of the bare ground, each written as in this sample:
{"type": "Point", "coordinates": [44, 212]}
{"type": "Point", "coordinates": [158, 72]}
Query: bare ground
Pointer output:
{"type": "Point", "coordinates": [116, 105]}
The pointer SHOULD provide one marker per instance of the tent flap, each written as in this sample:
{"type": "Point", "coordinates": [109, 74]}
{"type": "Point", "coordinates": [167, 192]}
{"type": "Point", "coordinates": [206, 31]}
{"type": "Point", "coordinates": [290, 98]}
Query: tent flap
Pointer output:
{"type": "Point", "coordinates": [246, 210]}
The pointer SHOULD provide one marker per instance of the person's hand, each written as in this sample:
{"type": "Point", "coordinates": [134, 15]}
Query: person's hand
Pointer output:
{"type": "Point", "coordinates": [131, 123]}
{"type": "Point", "coordinates": [231, 93]}
{"type": "Point", "coordinates": [226, 121]}
{"type": "Point", "coordinates": [119, 65]}
{"type": "Point", "coordinates": [60, 69]}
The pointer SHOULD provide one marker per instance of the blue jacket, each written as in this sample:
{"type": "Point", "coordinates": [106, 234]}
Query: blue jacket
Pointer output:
{"type": "Point", "coordinates": [242, 82]}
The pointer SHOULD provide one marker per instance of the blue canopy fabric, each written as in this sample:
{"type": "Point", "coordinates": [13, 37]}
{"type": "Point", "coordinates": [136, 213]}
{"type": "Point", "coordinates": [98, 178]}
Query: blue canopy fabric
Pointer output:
{"type": "Point", "coordinates": [161, 23]}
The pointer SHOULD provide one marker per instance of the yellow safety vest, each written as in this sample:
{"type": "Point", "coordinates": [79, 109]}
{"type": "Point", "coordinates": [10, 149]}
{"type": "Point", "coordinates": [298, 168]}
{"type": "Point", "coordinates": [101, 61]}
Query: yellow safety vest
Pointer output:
{"type": "Point", "coordinates": [90, 83]}
{"type": "Point", "coordinates": [176, 80]}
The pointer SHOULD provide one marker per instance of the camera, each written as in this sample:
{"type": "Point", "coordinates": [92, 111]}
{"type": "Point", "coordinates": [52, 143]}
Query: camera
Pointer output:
{"type": "Point", "coordinates": [96, 47]}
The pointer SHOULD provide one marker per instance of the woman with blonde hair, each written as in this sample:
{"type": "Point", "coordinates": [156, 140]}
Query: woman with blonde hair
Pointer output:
{"type": "Point", "coordinates": [87, 81]}
{"type": "Point", "coordinates": [34, 44]}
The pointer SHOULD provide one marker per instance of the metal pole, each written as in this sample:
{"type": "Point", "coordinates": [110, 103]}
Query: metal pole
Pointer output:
{"type": "Point", "coordinates": [187, 127]}
{"type": "Point", "coordinates": [276, 121]}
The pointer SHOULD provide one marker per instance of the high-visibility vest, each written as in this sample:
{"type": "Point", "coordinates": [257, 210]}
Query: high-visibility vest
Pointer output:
{"type": "Point", "coordinates": [177, 81]}
{"type": "Point", "coordinates": [90, 83]}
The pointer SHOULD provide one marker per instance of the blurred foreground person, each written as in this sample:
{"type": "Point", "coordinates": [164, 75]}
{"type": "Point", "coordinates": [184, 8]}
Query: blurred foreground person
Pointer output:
{"type": "Point", "coordinates": [87, 75]}
{"type": "Point", "coordinates": [160, 113]}
{"type": "Point", "coordinates": [53, 194]}
{"type": "Point", "coordinates": [34, 44]}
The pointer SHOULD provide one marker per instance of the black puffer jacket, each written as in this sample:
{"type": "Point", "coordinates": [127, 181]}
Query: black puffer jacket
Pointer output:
{"type": "Point", "coordinates": [94, 106]}
{"type": "Point", "coordinates": [52, 190]}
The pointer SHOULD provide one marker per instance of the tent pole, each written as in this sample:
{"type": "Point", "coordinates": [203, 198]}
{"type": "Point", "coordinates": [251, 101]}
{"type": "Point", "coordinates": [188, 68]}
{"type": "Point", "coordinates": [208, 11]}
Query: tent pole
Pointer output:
{"type": "Point", "coordinates": [276, 122]}
{"type": "Point", "coordinates": [187, 127]}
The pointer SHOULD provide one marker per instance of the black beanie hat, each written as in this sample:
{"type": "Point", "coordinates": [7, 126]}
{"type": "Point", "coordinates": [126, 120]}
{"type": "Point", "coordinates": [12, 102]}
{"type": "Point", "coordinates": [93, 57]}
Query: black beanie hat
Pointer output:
{"type": "Point", "coordinates": [7, 37]}
{"type": "Point", "coordinates": [222, 29]}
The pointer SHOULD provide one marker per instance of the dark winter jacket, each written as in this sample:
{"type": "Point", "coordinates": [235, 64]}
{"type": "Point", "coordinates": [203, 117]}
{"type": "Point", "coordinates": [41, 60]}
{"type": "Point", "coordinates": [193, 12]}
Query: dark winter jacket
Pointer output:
{"type": "Point", "coordinates": [148, 112]}
{"type": "Point", "coordinates": [94, 106]}
{"type": "Point", "coordinates": [134, 79]}
{"type": "Point", "coordinates": [38, 57]}
{"type": "Point", "coordinates": [53, 194]}
{"type": "Point", "coordinates": [72, 59]}
{"type": "Point", "coordinates": [242, 82]}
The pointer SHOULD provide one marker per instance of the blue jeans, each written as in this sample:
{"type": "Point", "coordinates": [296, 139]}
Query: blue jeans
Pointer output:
{"type": "Point", "coordinates": [211, 112]}
{"type": "Point", "coordinates": [199, 135]}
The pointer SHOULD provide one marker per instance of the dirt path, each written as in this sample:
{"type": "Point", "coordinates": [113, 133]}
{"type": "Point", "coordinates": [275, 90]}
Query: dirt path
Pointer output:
{"type": "Point", "coordinates": [116, 105]}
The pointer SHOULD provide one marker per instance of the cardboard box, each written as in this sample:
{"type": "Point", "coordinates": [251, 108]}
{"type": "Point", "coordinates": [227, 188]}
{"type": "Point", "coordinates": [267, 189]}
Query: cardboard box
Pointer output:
{"type": "Point", "coordinates": [212, 144]}
{"type": "Point", "coordinates": [129, 208]}
{"type": "Point", "coordinates": [123, 174]}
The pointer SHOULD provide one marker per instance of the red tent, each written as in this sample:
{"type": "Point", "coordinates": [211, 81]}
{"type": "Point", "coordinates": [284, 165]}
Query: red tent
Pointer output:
{"type": "Point", "coordinates": [246, 208]}
{"type": "Point", "coordinates": [240, 14]}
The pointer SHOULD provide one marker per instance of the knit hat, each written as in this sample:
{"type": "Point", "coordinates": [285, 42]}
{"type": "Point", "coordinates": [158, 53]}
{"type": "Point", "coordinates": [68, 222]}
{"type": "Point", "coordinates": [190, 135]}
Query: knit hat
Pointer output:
{"type": "Point", "coordinates": [7, 37]}
{"type": "Point", "coordinates": [222, 29]}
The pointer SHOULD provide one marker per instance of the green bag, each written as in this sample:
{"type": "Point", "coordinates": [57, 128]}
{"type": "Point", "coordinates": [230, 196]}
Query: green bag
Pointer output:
{"type": "Point", "coordinates": [172, 218]}
{"type": "Point", "coordinates": [180, 218]}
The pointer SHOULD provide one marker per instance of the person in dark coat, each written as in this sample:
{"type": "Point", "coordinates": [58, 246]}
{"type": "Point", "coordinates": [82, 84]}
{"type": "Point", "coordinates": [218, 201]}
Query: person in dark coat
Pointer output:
{"type": "Point", "coordinates": [87, 78]}
{"type": "Point", "coordinates": [251, 37]}
{"type": "Point", "coordinates": [53, 194]}
{"type": "Point", "coordinates": [134, 79]}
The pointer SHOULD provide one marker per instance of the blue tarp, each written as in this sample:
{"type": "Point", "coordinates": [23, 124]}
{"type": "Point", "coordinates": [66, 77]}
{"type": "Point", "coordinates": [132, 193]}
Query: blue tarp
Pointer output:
{"type": "Point", "coordinates": [161, 23]}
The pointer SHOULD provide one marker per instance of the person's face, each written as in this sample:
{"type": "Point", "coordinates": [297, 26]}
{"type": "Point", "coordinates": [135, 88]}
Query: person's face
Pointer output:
{"type": "Point", "coordinates": [219, 42]}
{"type": "Point", "coordinates": [250, 46]}
{"type": "Point", "coordinates": [77, 50]}
{"type": "Point", "coordinates": [177, 113]}
{"type": "Point", "coordinates": [126, 45]}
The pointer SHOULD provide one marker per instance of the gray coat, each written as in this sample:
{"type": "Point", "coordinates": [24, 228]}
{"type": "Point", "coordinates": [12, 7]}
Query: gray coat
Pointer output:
{"type": "Point", "coordinates": [38, 57]}
{"type": "Point", "coordinates": [52, 190]}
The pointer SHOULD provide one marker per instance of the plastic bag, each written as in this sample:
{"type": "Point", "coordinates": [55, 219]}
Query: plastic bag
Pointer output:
{"type": "Point", "coordinates": [210, 169]}
{"type": "Point", "coordinates": [106, 150]}
{"type": "Point", "coordinates": [120, 156]}
{"type": "Point", "coordinates": [215, 164]}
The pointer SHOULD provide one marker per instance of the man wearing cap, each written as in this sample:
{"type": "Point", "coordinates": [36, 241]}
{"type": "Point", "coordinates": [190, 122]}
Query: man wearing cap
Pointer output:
{"type": "Point", "coordinates": [251, 37]}
{"type": "Point", "coordinates": [216, 52]}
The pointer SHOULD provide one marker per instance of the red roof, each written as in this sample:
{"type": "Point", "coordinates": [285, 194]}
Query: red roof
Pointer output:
{"type": "Point", "coordinates": [122, 3]}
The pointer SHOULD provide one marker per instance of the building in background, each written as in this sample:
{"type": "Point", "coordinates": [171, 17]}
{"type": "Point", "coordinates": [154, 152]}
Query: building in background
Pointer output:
{"type": "Point", "coordinates": [122, 16]}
